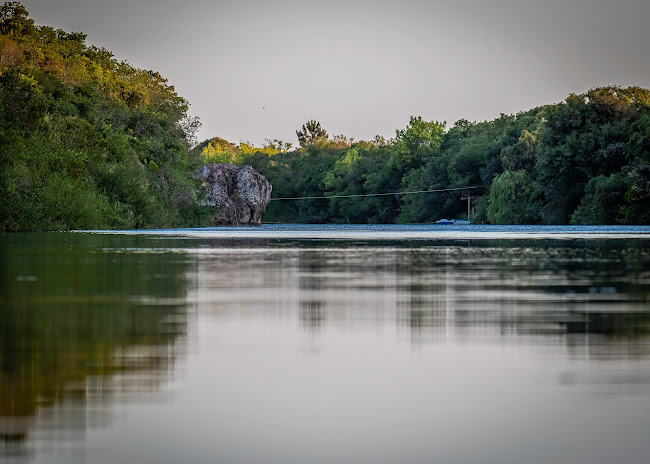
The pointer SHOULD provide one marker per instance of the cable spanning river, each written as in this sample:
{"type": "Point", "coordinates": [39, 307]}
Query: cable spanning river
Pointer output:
{"type": "Point", "coordinates": [322, 344]}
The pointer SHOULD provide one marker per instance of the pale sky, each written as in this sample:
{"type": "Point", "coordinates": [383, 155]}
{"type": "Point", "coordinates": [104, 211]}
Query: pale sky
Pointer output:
{"type": "Point", "coordinates": [254, 69]}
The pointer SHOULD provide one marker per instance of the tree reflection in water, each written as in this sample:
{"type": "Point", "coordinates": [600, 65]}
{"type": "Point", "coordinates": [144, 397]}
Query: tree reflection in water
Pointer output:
{"type": "Point", "coordinates": [591, 293]}
{"type": "Point", "coordinates": [90, 321]}
{"type": "Point", "coordinates": [82, 324]}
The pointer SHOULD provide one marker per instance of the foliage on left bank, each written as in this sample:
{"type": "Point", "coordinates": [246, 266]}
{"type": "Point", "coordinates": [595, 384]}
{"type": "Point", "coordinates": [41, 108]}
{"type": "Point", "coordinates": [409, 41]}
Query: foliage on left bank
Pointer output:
{"type": "Point", "coordinates": [87, 141]}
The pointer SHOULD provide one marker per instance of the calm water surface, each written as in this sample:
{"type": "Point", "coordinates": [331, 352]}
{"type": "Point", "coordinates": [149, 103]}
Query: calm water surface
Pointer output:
{"type": "Point", "coordinates": [326, 345]}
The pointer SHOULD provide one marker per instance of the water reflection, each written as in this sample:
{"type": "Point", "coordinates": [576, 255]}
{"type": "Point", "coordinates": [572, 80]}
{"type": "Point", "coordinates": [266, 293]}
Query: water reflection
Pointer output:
{"type": "Point", "coordinates": [501, 338]}
{"type": "Point", "coordinates": [80, 329]}
{"type": "Point", "coordinates": [312, 315]}
{"type": "Point", "coordinates": [320, 351]}
{"type": "Point", "coordinates": [583, 294]}
{"type": "Point", "coordinates": [473, 290]}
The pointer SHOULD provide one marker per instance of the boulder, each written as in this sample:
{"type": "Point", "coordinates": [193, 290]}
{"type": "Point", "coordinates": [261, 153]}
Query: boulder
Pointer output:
{"type": "Point", "coordinates": [238, 195]}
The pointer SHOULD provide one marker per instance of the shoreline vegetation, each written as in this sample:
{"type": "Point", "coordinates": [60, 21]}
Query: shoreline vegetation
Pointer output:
{"type": "Point", "coordinates": [89, 142]}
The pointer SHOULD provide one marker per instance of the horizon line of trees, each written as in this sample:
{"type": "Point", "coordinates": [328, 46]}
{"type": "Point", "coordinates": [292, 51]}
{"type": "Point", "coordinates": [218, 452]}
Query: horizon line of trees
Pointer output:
{"type": "Point", "coordinates": [582, 161]}
{"type": "Point", "coordinates": [89, 142]}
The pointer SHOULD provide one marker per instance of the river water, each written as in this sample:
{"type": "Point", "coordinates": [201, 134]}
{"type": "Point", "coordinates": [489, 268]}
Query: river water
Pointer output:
{"type": "Point", "coordinates": [326, 344]}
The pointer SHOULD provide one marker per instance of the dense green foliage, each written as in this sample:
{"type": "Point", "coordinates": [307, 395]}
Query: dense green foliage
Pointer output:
{"type": "Point", "coordinates": [90, 142]}
{"type": "Point", "coordinates": [582, 161]}
{"type": "Point", "coordinates": [87, 141]}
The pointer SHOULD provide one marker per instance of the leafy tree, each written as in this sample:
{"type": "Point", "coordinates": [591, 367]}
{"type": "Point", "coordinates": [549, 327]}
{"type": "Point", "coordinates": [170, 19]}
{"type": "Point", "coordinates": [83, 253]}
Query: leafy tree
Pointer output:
{"type": "Point", "coordinates": [311, 134]}
{"type": "Point", "coordinates": [420, 133]}
{"type": "Point", "coordinates": [15, 21]}
{"type": "Point", "coordinates": [521, 155]}
{"type": "Point", "coordinates": [276, 146]}
{"type": "Point", "coordinates": [604, 201]}
{"type": "Point", "coordinates": [512, 199]}
{"type": "Point", "coordinates": [23, 105]}
{"type": "Point", "coordinates": [417, 142]}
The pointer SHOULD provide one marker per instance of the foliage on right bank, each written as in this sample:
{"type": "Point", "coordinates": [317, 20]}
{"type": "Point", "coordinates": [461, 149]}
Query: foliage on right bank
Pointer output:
{"type": "Point", "coordinates": [583, 161]}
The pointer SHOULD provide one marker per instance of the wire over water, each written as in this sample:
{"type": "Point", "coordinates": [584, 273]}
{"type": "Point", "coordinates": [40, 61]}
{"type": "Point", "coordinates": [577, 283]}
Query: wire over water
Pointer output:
{"type": "Point", "coordinates": [325, 197]}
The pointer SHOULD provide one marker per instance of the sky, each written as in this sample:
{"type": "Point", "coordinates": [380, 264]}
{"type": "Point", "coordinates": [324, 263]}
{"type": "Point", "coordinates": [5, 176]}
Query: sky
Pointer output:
{"type": "Point", "coordinates": [255, 70]}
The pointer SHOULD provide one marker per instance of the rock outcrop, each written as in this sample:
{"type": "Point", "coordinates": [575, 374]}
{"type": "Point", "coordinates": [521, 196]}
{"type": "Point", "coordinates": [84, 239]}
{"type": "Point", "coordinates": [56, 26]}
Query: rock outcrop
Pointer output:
{"type": "Point", "coordinates": [239, 195]}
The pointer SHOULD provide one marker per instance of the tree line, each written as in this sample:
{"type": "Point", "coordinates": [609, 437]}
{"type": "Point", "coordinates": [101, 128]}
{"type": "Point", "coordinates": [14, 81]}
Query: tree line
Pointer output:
{"type": "Point", "coordinates": [582, 161]}
{"type": "Point", "coordinates": [89, 142]}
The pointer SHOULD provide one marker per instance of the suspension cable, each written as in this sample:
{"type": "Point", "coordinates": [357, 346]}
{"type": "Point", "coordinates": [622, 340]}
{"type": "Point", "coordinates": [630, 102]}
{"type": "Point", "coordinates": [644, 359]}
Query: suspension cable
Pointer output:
{"type": "Point", "coordinates": [325, 197]}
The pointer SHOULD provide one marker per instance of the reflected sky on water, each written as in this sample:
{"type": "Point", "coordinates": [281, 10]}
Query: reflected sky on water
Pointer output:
{"type": "Point", "coordinates": [161, 348]}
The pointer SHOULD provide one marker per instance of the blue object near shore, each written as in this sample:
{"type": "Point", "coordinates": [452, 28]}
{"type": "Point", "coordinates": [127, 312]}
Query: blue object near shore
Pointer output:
{"type": "Point", "coordinates": [454, 222]}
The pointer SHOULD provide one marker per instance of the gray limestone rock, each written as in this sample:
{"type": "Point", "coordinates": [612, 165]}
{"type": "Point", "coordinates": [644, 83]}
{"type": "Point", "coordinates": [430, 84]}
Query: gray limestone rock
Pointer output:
{"type": "Point", "coordinates": [238, 195]}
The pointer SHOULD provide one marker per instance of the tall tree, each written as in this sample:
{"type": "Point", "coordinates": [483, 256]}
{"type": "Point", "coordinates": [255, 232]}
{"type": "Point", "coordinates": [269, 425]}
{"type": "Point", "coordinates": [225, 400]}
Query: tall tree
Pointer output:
{"type": "Point", "coordinates": [14, 20]}
{"type": "Point", "coordinates": [311, 134]}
